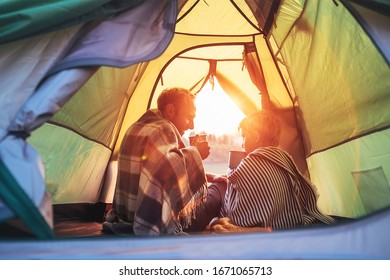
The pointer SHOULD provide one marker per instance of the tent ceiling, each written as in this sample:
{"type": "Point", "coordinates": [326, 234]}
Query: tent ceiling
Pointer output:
{"type": "Point", "coordinates": [191, 69]}
{"type": "Point", "coordinates": [210, 18]}
{"type": "Point", "coordinates": [226, 52]}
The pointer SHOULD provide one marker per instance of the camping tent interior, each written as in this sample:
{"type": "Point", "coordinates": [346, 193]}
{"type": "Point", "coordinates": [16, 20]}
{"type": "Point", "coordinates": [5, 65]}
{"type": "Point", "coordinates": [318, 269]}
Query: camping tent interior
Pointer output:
{"type": "Point", "coordinates": [70, 90]}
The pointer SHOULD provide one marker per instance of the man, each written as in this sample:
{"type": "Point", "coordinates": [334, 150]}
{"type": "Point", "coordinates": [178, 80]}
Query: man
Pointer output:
{"type": "Point", "coordinates": [266, 191]}
{"type": "Point", "coordinates": [161, 183]}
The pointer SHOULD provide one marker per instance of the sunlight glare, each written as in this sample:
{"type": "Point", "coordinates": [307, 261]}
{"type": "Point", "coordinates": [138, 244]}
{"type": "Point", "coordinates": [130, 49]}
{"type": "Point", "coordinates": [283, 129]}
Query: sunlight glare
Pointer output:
{"type": "Point", "coordinates": [216, 113]}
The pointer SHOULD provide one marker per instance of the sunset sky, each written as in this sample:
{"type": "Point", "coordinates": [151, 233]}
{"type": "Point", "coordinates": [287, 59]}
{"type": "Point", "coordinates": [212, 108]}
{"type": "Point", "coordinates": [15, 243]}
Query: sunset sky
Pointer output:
{"type": "Point", "coordinates": [216, 113]}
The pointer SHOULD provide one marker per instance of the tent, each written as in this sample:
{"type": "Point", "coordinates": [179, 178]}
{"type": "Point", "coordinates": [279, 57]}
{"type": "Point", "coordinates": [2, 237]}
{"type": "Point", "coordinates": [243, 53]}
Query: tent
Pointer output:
{"type": "Point", "coordinates": [75, 75]}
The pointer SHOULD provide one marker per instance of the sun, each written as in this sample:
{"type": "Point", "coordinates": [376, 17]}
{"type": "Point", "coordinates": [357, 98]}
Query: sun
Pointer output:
{"type": "Point", "coordinates": [219, 117]}
{"type": "Point", "coordinates": [216, 113]}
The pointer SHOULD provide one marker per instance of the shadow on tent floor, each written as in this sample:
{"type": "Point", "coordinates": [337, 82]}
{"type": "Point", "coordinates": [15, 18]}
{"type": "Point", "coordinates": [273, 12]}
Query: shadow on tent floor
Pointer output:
{"type": "Point", "coordinates": [62, 229]}
{"type": "Point", "coordinates": [77, 229]}
{"type": "Point", "coordinates": [70, 220]}
{"type": "Point", "coordinates": [79, 220]}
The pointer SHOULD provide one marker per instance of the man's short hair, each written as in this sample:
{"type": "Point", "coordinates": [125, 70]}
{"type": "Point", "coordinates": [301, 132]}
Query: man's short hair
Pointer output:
{"type": "Point", "coordinates": [175, 95]}
{"type": "Point", "coordinates": [264, 122]}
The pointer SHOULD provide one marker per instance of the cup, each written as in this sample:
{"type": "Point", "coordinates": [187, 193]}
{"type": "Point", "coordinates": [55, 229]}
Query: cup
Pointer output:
{"type": "Point", "coordinates": [202, 138]}
{"type": "Point", "coordinates": [235, 158]}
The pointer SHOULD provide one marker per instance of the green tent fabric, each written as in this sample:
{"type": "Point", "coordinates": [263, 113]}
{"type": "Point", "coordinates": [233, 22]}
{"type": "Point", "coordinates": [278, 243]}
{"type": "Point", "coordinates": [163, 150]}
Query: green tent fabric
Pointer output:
{"type": "Point", "coordinates": [40, 90]}
{"type": "Point", "coordinates": [21, 204]}
{"type": "Point", "coordinates": [21, 19]}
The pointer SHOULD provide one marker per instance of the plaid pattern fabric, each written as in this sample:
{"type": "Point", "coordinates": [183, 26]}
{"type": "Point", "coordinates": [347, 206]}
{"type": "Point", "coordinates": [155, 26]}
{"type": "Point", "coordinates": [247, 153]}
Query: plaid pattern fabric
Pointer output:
{"type": "Point", "coordinates": [267, 190]}
{"type": "Point", "coordinates": [161, 183]}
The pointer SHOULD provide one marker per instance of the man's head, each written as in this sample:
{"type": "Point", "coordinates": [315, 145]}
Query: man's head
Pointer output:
{"type": "Point", "coordinates": [260, 129]}
{"type": "Point", "coordinates": [177, 105]}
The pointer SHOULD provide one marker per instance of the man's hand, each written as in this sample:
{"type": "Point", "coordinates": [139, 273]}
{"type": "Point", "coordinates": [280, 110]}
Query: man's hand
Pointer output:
{"type": "Point", "coordinates": [202, 147]}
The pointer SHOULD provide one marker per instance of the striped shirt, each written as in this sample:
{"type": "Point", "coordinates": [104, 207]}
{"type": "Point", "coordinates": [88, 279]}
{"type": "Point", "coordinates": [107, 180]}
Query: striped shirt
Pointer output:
{"type": "Point", "coordinates": [267, 190]}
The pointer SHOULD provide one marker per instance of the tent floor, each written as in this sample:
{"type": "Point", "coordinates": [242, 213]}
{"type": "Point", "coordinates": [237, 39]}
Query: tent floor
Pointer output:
{"type": "Point", "coordinates": [62, 229]}
{"type": "Point", "coordinates": [72, 221]}
{"type": "Point", "coordinates": [77, 229]}
{"type": "Point", "coordinates": [79, 220]}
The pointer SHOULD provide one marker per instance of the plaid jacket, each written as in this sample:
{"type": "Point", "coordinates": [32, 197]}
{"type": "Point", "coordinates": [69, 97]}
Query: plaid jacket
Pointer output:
{"type": "Point", "coordinates": [161, 183]}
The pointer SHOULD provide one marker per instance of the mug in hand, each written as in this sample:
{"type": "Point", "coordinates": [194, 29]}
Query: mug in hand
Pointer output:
{"type": "Point", "coordinates": [235, 158]}
{"type": "Point", "coordinates": [201, 138]}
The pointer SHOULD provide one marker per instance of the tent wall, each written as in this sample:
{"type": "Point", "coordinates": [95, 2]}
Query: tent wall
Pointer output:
{"type": "Point", "coordinates": [20, 19]}
{"type": "Point", "coordinates": [338, 100]}
{"type": "Point", "coordinates": [375, 21]}
{"type": "Point", "coordinates": [35, 56]}
{"type": "Point", "coordinates": [52, 68]}
{"type": "Point", "coordinates": [77, 143]}
{"type": "Point", "coordinates": [359, 170]}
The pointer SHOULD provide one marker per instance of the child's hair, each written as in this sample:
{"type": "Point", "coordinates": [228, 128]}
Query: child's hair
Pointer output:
{"type": "Point", "coordinates": [264, 123]}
